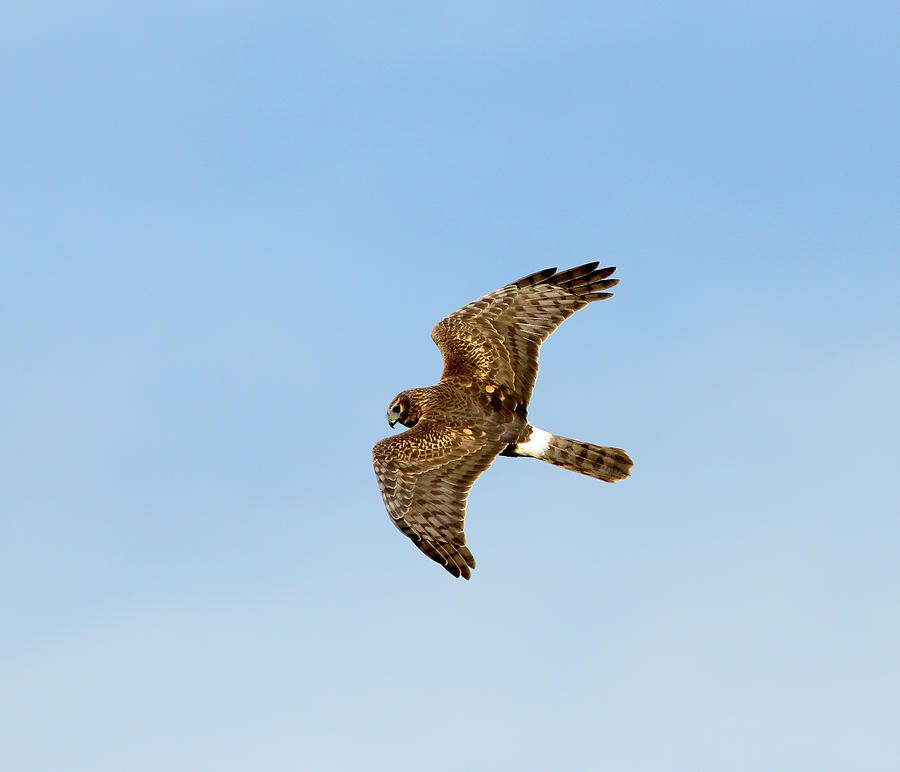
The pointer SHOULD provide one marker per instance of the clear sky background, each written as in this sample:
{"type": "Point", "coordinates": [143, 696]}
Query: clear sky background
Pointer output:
{"type": "Point", "coordinates": [227, 230]}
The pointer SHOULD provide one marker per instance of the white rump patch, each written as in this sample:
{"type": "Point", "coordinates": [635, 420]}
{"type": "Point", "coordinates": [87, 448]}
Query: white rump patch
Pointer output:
{"type": "Point", "coordinates": [537, 444]}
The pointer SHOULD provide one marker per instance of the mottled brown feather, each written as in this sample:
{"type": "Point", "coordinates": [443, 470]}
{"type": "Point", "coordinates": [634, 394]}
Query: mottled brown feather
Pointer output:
{"type": "Point", "coordinates": [425, 475]}
{"type": "Point", "coordinates": [498, 337]}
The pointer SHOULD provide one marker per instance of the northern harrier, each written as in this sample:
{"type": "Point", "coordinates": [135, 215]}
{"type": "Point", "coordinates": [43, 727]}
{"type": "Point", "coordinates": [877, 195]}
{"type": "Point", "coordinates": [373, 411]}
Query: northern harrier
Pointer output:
{"type": "Point", "coordinates": [478, 410]}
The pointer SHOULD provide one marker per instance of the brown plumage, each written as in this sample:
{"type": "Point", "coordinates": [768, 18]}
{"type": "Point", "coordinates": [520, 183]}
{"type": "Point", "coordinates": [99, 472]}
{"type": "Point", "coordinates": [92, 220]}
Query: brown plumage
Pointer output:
{"type": "Point", "coordinates": [478, 410]}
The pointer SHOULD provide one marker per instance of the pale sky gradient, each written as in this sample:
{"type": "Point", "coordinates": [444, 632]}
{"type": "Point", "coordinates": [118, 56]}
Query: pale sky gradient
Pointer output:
{"type": "Point", "coordinates": [228, 229]}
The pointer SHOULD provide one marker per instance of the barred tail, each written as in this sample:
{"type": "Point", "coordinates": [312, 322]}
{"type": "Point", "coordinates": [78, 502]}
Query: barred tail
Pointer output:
{"type": "Point", "coordinates": [607, 464]}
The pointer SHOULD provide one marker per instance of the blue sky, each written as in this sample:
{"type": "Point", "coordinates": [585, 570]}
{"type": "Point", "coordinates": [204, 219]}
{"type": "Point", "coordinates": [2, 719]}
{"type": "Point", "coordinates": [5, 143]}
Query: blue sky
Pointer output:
{"type": "Point", "coordinates": [228, 230]}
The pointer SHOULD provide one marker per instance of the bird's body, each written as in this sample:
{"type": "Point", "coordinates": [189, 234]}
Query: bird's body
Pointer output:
{"type": "Point", "coordinates": [479, 410]}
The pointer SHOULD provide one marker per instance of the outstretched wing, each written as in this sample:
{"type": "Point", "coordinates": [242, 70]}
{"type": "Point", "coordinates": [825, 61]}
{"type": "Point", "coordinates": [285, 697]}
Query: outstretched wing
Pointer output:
{"type": "Point", "coordinates": [425, 475]}
{"type": "Point", "coordinates": [497, 338]}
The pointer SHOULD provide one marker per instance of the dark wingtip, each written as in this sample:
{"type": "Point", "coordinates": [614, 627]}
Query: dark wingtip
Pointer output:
{"type": "Point", "coordinates": [460, 564]}
{"type": "Point", "coordinates": [460, 571]}
{"type": "Point", "coordinates": [579, 272]}
{"type": "Point", "coordinates": [535, 278]}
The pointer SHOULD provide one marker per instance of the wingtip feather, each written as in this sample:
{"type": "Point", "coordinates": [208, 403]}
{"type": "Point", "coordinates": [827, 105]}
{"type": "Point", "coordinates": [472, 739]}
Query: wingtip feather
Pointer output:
{"type": "Point", "coordinates": [535, 278]}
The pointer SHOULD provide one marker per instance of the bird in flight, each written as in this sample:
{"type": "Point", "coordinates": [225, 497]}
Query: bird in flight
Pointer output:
{"type": "Point", "coordinates": [479, 410]}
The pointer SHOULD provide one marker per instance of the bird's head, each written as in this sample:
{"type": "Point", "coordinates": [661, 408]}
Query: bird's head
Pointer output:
{"type": "Point", "coordinates": [405, 409]}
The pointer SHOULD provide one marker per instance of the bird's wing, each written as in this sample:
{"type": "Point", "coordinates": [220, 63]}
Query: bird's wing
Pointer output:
{"type": "Point", "coordinates": [425, 475]}
{"type": "Point", "coordinates": [497, 338]}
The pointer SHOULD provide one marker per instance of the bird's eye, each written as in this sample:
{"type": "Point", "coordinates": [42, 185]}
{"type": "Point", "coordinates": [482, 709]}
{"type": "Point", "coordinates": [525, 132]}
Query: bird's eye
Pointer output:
{"type": "Point", "coordinates": [395, 409]}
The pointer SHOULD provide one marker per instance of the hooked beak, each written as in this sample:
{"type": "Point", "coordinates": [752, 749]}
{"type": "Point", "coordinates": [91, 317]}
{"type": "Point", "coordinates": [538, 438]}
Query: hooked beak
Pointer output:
{"type": "Point", "coordinates": [392, 421]}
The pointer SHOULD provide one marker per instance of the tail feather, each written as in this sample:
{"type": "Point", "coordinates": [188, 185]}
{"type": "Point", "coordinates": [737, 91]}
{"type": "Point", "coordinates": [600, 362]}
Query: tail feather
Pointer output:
{"type": "Point", "coordinates": [603, 463]}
